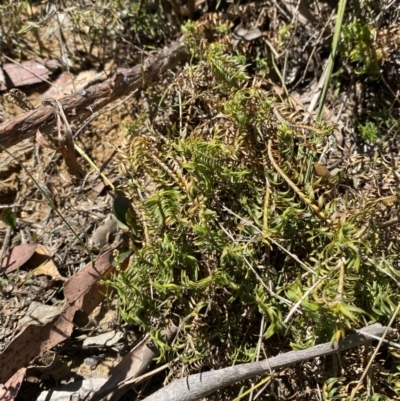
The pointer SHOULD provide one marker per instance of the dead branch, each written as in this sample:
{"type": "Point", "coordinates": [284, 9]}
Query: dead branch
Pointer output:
{"type": "Point", "coordinates": [200, 385]}
{"type": "Point", "coordinates": [82, 104]}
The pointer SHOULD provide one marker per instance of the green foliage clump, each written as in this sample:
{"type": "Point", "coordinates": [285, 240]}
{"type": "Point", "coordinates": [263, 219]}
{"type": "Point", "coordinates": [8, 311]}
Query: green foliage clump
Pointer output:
{"type": "Point", "coordinates": [376, 124]}
{"type": "Point", "coordinates": [95, 30]}
{"type": "Point", "coordinates": [228, 249]}
{"type": "Point", "coordinates": [358, 47]}
{"type": "Point", "coordinates": [369, 131]}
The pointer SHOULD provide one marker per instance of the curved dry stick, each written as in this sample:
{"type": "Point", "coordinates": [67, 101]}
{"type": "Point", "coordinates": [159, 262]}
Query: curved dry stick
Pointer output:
{"type": "Point", "coordinates": [200, 385]}
{"type": "Point", "coordinates": [82, 104]}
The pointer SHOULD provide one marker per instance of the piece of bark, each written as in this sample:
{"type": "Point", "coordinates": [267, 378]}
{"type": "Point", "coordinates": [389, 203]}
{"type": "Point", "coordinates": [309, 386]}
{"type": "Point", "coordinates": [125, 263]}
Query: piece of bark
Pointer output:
{"type": "Point", "coordinates": [82, 104]}
{"type": "Point", "coordinates": [104, 233]}
{"type": "Point", "coordinates": [200, 385]}
{"type": "Point", "coordinates": [134, 364]}
{"type": "Point", "coordinates": [77, 390]}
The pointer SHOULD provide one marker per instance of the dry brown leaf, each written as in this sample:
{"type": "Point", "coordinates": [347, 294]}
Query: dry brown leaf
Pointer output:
{"type": "Point", "coordinates": [10, 389]}
{"type": "Point", "coordinates": [134, 364]}
{"type": "Point", "coordinates": [47, 268]}
{"type": "Point", "coordinates": [67, 83]}
{"type": "Point", "coordinates": [321, 170]}
{"type": "Point", "coordinates": [104, 339]}
{"type": "Point", "coordinates": [82, 292]}
{"type": "Point", "coordinates": [43, 141]}
{"type": "Point", "coordinates": [19, 255]}
{"type": "Point", "coordinates": [28, 72]}
{"type": "Point", "coordinates": [39, 314]}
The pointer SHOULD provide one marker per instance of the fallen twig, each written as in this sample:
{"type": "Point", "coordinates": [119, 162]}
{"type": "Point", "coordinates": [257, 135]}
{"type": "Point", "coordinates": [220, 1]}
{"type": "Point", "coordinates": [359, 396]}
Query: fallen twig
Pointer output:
{"type": "Point", "coordinates": [200, 385]}
{"type": "Point", "coordinates": [82, 104]}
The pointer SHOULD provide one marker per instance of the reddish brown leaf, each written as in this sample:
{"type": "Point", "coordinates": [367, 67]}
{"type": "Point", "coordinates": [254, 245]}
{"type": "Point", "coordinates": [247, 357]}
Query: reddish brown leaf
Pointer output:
{"type": "Point", "coordinates": [83, 281]}
{"type": "Point", "coordinates": [67, 83]}
{"type": "Point", "coordinates": [10, 389]}
{"type": "Point", "coordinates": [19, 255]}
{"type": "Point", "coordinates": [28, 73]}
{"type": "Point", "coordinates": [42, 140]}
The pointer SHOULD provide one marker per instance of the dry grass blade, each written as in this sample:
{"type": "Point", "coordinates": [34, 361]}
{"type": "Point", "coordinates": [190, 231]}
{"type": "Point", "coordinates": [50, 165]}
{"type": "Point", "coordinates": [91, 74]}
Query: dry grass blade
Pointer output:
{"type": "Point", "coordinates": [302, 195]}
{"type": "Point", "coordinates": [331, 61]}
